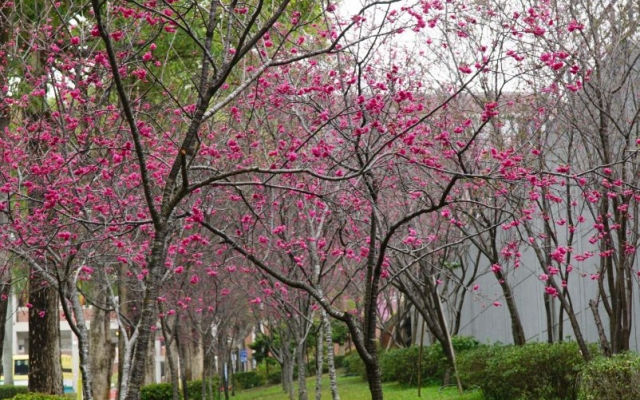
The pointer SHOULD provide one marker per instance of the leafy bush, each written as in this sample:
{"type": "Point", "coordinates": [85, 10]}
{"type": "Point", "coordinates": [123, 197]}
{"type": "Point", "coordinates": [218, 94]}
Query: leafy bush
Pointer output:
{"type": "Point", "coordinates": [38, 396]}
{"type": "Point", "coordinates": [274, 374]}
{"type": "Point", "coordinates": [611, 378]}
{"type": "Point", "coordinates": [156, 391]}
{"type": "Point", "coordinates": [275, 377]}
{"type": "Point", "coordinates": [8, 391]}
{"type": "Point", "coordinates": [194, 389]}
{"type": "Point", "coordinates": [401, 364]}
{"type": "Point", "coordinates": [338, 361]}
{"type": "Point", "coordinates": [247, 380]}
{"type": "Point", "coordinates": [530, 372]}
{"type": "Point", "coordinates": [354, 366]}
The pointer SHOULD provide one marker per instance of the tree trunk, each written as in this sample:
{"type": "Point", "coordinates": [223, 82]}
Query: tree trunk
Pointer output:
{"type": "Point", "coordinates": [148, 314]}
{"type": "Point", "coordinates": [302, 375]}
{"type": "Point", "coordinates": [5, 299]}
{"type": "Point", "coordinates": [374, 379]}
{"type": "Point", "coordinates": [319, 361]}
{"type": "Point", "coordinates": [45, 369]}
{"type": "Point", "coordinates": [604, 343]}
{"type": "Point", "coordinates": [150, 376]}
{"type": "Point", "coordinates": [328, 332]}
{"type": "Point", "coordinates": [178, 335]}
{"type": "Point", "coordinates": [287, 374]}
{"type": "Point", "coordinates": [102, 352]}
{"type": "Point", "coordinates": [519, 338]}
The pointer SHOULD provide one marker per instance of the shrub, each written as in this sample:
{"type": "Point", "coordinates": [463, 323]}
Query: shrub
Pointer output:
{"type": "Point", "coordinates": [194, 389]}
{"type": "Point", "coordinates": [401, 364]}
{"type": "Point", "coordinates": [611, 378]}
{"type": "Point", "coordinates": [38, 396]}
{"type": "Point", "coordinates": [156, 391]}
{"type": "Point", "coordinates": [247, 380]}
{"type": "Point", "coordinates": [8, 391]}
{"type": "Point", "coordinates": [530, 372]}
{"type": "Point", "coordinates": [274, 377]}
{"type": "Point", "coordinates": [354, 366]}
{"type": "Point", "coordinates": [338, 361]}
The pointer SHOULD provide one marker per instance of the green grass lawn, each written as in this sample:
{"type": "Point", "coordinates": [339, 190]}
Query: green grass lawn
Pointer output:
{"type": "Point", "coordinates": [354, 388]}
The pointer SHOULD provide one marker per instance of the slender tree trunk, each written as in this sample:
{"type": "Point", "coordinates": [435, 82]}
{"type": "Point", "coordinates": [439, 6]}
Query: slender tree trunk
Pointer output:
{"type": "Point", "coordinates": [179, 338]}
{"type": "Point", "coordinates": [302, 378]}
{"type": "Point", "coordinates": [328, 333]}
{"type": "Point", "coordinates": [45, 369]}
{"type": "Point", "coordinates": [102, 351]}
{"type": "Point", "coordinates": [519, 338]}
{"type": "Point", "coordinates": [148, 313]}
{"type": "Point", "coordinates": [604, 343]}
{"type": "Point", "coordinates": [319, 361]}
{"type": "Point", "coordinates": [5, 299]}
{"type": "Point", "coordinates": [173, 372]}
{"type": "Point", "coordinates": [150, 376]}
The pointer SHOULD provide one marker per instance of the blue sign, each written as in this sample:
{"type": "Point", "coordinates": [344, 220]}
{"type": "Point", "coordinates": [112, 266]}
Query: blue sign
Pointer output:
{"type": "Point", "coordinates": [243, 355]}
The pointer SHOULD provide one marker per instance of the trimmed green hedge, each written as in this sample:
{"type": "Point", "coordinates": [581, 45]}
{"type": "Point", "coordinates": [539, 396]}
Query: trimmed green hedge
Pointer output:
{"type": "Point", "coordinates": [611, 378]}
{"type": "Point", "coordinates": [353, 365]}
{"type": "Point", "coordinates": [157, 391]}
{"type": "Point", "coordinates": [401, 365]}
{"type": "Point", "coordinates": [164, 391]}
{"type": "Point", "coordinates": [530, 372]}
{"type": "Point", "coordinates": [38, 396]}
{"type": "Point", "coordinates": [9, 391]}
{"type": "Point", "coordinates": [248, 380]}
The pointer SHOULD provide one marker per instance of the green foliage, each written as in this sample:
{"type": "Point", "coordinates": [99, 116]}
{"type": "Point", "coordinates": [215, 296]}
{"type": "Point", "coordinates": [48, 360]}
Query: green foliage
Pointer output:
{"type": "Point", "coordinates": [530, 372]}
{"type": "Point", "coordinates": [401, 364]}
{"type": "Point", "coordinates": [271, 375]}
{"type": "Point", "coordinates": [38, 396]}
{"type": "Point", "coordinates": [194, 389]}
{"type": "Point", "coordinates": [611, 378]}
{"type": "Point", "coordinates": [164, 391]}
{"type": "Point", "coordinates": [8, 391]}
{"type": "Point", "coordinates": [156, 391]}
{"type": "Point", "coordinates": [339, 332]}
{"type": "Point", "coordinates": [260, 348]}
{"type": "Point", "coordinates": [338, 361]}
{"type": "Point", "coordinates": [354, 366]}
{"type": "Point", "coordinates": [248, 380]}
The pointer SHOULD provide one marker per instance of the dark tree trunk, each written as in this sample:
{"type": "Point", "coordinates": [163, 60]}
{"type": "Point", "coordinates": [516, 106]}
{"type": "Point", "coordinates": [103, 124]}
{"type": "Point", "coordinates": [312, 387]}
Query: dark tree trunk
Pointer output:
{"type": "Point", "coordinates": [45, 369]}
{"type": "Point", "coordinates": [5, 292]}
{"type": "Point", "coordinates": [374, 379]}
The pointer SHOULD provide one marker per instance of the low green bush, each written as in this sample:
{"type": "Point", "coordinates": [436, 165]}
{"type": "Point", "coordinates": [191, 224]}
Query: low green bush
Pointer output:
{"type": "Point", "coordinates": [611, 378]}
{"type": "Point", "coordinates": [38, 396]}
{"type": "Point", "coordinates": [194, 389]}
{"type": "Point", "coordinates": [8, 391]}
{"type": "Point", "coordinates": [156, 391]}
{"type": "Point", "coordinates": [275, 377]}
{"type": "Point", "coordinates": [354, 366]}
{"type": "Point", "coordinates": [530, 372]}
{"type": "Point", "coordinates": [401, 364]}
{"type": "Point", "coordinates": [338, 361]}
{"type": "Point", "coordinates": [248, 380]}
{"type": "Point", "coordinates": [272, 376]}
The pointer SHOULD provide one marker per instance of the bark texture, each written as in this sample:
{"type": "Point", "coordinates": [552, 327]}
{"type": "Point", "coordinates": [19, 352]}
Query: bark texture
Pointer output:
{"type": "Point", "coordinates": [45, 369]}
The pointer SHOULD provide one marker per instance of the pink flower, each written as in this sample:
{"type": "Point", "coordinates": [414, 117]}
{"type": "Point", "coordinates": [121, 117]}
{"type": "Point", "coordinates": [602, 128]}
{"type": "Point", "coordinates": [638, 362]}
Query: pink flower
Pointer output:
{"type": "Point", "coordinates": [194, 279]}
{"type": "Point", "coordinates": [147, 56]}
{"type": "Point", "coordinates": [179, 270]}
